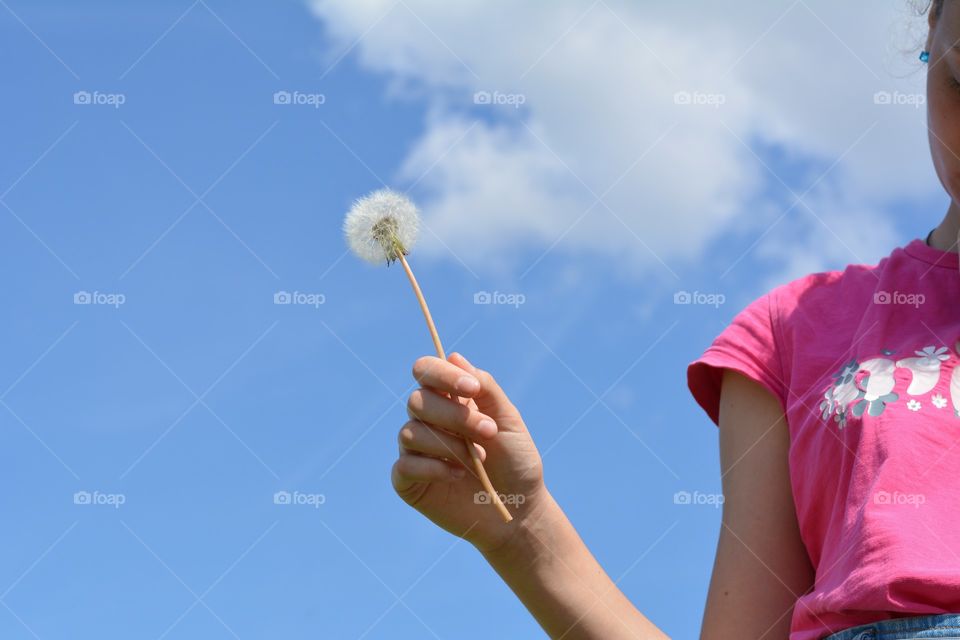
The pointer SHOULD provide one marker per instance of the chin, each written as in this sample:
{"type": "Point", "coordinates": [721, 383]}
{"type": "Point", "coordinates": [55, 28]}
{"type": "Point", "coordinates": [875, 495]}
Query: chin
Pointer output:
{"type": "Point", "coordinates": [950, 179]}
{"type": "Point", "coordinates": [953, 190]}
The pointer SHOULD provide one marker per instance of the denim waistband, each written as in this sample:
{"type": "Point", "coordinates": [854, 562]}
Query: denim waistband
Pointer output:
{"type": "Point", "coordinates": [941, 625]}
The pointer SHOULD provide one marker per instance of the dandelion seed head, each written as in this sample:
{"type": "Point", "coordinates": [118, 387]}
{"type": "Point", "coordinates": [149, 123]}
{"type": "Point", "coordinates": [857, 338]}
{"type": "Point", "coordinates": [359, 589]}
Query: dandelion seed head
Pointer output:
{"type": "Point", "coordinates": [381, 225]}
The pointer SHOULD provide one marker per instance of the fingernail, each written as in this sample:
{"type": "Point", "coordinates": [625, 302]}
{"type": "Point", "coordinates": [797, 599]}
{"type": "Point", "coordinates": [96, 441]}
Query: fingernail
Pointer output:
{"type": "Point", "coordinates": [467, 384]}
{"type": "Point", "coordinates": [458, 473]}
{"type": "Point", "coordinates": [487, 428]}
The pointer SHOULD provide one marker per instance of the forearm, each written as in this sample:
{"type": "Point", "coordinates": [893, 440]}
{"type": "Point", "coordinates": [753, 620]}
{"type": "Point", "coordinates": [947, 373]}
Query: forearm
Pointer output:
{"type": "Point", "coordinates": [550, 569]}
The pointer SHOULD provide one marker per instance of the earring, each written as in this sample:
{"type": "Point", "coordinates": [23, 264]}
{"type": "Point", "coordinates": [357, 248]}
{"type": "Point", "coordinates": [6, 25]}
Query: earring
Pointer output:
{"type": "Point", "coordinates": [925, 56]}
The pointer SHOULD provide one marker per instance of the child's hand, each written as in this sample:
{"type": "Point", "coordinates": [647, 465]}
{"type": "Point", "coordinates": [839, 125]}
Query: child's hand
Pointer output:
{"type": "Point", "coordinates": [434, 473]}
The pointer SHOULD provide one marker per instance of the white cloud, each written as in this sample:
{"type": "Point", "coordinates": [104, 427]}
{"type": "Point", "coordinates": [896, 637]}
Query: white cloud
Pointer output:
{"type": "Point", "coordinates": [600, 119]}
{"type": "Point", "coordinates": [827, 234]}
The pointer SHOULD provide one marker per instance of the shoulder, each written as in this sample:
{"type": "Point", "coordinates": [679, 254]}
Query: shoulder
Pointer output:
{"type": "Point", "coordinates": [825, 292]}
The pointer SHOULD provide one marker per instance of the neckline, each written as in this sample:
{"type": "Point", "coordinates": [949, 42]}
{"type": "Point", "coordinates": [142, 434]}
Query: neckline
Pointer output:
{"type": "Point", "coordinates": [919, 249]}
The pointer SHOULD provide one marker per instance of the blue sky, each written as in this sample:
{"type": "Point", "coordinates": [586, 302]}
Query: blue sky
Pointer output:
{"type": "Point", "coordinates": [185, 393]}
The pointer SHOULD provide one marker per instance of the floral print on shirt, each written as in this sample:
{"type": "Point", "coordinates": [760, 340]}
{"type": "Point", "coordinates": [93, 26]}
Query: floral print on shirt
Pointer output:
{"type": "Point", "coordinates": [872, 393]}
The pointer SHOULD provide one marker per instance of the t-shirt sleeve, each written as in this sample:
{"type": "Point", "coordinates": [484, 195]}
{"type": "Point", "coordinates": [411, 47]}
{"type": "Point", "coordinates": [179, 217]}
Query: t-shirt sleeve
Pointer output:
{"type": "Point", "coordinates": [748, 345]}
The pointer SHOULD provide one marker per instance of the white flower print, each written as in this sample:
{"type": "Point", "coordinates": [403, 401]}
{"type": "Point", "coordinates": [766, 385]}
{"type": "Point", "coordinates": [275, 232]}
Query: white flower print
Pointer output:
{"type": "Point", "coordinates": [843, 391]}
{"type": "Point", "coordinates": [878, 386]}
{"type": "Point", "coordinates": [925, 368]}
{"type": "Point", "coordinates": [880, 382]}
{"type": "Point", "coordinates": [849, 370]}
{"type": "Point", "coordinates": [837, 397]}
{"type": "Point", "coordinates": [852, 395]}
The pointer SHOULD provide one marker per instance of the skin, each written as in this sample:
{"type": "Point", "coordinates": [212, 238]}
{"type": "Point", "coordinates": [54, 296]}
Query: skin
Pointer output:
{"type": "Point", "coordinates": [761, 565]}
{"type": "Point", "coordinates": [943, 105]}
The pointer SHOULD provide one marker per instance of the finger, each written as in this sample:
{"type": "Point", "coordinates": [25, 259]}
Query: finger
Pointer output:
{"type": "Point", "coordinates": [428, 406]}
{"type": "Point", "coordinates": [491, 399]}
{"type": "Point", "coordinates": [410, 469]}
{"type": "Point", "coordinates": [444, 377]}
{"type": "Point", "coordinates": [420, 438]}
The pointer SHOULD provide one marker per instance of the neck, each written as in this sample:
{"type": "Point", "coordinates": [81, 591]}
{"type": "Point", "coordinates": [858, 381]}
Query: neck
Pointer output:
{"type": "Point", "coordinates": [945, 237]}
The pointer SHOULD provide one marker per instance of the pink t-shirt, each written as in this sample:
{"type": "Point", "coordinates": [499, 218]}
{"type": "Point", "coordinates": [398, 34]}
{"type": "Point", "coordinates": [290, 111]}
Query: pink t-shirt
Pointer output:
{"type": "Point", "coordinates": [864, 362]}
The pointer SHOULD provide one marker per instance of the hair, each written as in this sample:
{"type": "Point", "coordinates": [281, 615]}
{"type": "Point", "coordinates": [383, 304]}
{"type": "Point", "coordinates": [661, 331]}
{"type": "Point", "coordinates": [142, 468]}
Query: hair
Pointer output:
{"type": "Point", "coordinates": [922, 7]}
{"type": "Point", "coordinates": [911, 38]}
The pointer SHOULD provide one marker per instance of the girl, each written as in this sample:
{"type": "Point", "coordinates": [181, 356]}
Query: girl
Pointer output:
{"type": "Point", "coordinates": [837, 397]}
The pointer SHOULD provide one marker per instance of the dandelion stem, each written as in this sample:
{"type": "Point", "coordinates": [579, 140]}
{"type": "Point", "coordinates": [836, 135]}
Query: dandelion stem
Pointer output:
{"type": "Point", "coordinates": [480, 472]}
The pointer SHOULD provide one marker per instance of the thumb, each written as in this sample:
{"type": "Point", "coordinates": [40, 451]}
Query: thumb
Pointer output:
{"type": "Point", "coordinates": [491, 399]}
